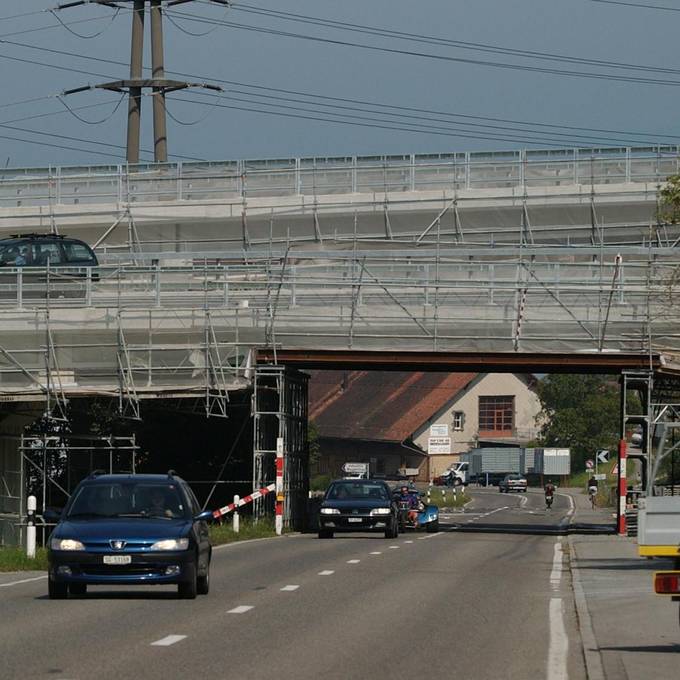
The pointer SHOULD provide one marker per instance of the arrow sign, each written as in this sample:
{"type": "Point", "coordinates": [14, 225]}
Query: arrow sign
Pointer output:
{"type": "Point", "coordinates": [603, 456]}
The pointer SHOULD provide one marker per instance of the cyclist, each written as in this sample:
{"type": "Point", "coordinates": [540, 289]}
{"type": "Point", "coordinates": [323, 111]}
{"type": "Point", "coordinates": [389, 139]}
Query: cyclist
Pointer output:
{"type": "Point", "coordinates": [592, 491]}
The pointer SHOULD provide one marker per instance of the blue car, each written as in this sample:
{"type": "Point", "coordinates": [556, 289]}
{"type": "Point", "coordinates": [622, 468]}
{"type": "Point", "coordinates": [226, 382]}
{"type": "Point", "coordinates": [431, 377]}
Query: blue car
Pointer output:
{"type": "Point", "coordinates": [130, 530]}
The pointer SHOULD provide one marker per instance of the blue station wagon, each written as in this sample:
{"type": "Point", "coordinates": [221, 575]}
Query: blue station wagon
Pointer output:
{"type": "Point", "coordinates": [130, 530]}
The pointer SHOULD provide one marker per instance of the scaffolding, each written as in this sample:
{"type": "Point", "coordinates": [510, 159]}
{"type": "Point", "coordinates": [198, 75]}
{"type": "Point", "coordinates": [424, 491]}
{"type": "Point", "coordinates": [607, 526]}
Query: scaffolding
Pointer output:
{"type": "Point", "coordinates": [280, 413]}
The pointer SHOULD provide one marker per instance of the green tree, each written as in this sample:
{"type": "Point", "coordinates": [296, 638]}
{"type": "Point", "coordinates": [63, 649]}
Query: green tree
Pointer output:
{"type": "Point", "coordinates": [313, 443]}
{"type": "Point", "coordinates": [669, 201]}
{"type": "Point", "coordinates": [579, 412]}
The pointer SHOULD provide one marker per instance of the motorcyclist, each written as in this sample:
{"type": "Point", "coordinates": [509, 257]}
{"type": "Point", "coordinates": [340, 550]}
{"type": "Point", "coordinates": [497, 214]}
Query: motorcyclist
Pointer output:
{"type": "Point", "coordinates": [407, 496]}
{"type": "Point", "coordinates": [549, 493]}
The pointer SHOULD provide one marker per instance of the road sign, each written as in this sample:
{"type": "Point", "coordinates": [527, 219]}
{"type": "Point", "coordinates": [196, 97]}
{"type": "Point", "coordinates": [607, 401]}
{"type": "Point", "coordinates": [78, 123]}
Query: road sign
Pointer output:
{"type": "Point", "coordinates": [615, 469]}
{"type": "Point", "coordinates": [589, 464]}
{"type": "Point", "coordinates": [603, 456]}
{"type": "Point", "coordinates": [600, 477]}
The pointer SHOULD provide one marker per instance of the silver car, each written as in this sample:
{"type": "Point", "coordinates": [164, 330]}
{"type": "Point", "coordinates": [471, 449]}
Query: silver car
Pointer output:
{"type": "Point", "coordinates": [513, 483]}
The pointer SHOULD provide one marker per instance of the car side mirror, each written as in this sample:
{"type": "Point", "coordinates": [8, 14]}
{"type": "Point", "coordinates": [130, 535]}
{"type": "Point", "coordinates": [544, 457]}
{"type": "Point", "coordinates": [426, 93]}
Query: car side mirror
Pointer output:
{"type": "Point", "coordinates": [203, 516]}
{"type": "Point", "coordinates": [52, 514]}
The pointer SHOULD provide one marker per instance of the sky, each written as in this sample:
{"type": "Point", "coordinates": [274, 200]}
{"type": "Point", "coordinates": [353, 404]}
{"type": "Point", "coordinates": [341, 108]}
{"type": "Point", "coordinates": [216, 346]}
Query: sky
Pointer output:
{"type": "Point", "coordinates": [295, 88]}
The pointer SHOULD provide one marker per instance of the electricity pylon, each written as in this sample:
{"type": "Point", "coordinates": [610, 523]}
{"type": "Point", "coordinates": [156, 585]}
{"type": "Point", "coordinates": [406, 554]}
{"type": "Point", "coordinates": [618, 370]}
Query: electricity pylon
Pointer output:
{"type": "Point", "coordinates": [134, 86]}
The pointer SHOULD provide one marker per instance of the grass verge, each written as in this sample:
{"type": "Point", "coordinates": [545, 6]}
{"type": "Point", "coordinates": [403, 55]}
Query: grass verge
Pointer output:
{"type": "Point", "coordinates": [14, 559]}
{"type": "Point", "coordinates": [223, 533]}
{"type": "Point", "coordinates": [448, 499]}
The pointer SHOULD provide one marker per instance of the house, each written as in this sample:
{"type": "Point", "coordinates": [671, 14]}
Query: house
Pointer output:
{"type": "Point", "coordinates": [395, 419]}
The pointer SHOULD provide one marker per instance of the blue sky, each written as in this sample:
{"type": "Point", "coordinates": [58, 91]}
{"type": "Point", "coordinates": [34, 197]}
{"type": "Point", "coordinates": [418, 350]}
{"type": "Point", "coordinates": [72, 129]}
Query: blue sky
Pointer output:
{"type": "Point", "coordinates": [576, 28]}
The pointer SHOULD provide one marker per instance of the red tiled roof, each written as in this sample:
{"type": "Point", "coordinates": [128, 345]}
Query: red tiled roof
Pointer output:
{"type": "Point", "coordinates": [379, 405]}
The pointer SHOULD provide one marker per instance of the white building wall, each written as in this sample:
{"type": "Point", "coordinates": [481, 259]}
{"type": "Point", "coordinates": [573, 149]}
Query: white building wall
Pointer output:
{"type": "Point", "coordinates": [527, 407]}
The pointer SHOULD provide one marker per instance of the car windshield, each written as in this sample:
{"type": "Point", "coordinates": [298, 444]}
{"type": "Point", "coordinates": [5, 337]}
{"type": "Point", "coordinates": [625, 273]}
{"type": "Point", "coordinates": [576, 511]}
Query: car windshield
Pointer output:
{"type": "Point", "coordinates": [351, 490]}
{"type": "Point", "coordinates": [127, 499]}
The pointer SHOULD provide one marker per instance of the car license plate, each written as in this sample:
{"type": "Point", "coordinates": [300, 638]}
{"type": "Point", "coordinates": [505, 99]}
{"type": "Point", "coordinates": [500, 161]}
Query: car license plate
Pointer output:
{"type": "Point", "coordinates": [355, 519]}
{"type": "Point", "coordinates": [117, 559]}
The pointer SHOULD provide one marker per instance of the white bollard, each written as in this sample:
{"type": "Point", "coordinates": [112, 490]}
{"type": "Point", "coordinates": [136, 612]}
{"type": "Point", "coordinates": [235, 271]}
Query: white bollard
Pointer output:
{"type": "Point", "coordinates": [236, 520]}
{"type": "Point", "coordinates": [31, 505]}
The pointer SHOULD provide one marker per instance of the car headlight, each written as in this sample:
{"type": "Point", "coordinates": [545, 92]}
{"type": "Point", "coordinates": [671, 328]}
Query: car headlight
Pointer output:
{"type": "Point", "coordinates": [66, 544]}
{"type": "Point", "coordinates": [329, 511]}
{"type": "Point", "coordinates": [380, 511]}
{"type": "Point", "coordinates": [171, 544]}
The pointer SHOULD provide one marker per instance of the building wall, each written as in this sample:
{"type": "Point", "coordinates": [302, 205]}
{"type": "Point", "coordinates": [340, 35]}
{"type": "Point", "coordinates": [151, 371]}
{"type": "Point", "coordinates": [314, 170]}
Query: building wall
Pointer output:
{"type": "Point", "coordinates": [527, 407]}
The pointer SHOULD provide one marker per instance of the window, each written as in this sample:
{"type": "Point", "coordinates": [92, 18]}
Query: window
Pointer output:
{"type": "Point", "coordinates": [44, 251]}
{"type": "Point", "coordinates": [458, 420]}
{"type": "Point", "coordinates": [78, 252]}
{"type": "Point", "coordinates": [496, 414]}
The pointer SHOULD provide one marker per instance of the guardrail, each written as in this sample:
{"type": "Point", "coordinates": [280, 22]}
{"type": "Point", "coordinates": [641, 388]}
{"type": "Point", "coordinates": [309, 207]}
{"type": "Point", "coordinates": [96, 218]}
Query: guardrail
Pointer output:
{"type": "Point", "coordinates": [221, 180]}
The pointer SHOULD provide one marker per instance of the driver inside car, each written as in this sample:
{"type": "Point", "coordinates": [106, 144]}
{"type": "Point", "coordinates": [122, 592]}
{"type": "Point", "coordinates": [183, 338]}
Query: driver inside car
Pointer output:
{"type": "Point", "coordinates": [413, 502]}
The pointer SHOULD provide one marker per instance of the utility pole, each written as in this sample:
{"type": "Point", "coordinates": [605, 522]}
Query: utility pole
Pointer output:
{"type": "Point", "coordinates": [158, 83]}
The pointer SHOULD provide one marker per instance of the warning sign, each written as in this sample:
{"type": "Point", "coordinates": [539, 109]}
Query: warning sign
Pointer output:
{"type": "Point", "coordinates": [615, 469]}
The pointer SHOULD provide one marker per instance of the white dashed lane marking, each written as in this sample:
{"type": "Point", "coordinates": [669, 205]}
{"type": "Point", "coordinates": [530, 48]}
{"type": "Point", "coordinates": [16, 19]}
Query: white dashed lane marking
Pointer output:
{"type": "Point", "coordinates": [353, 561]}
{"type": "Point", "coordinates": [408, 541]}
{"type": "Point", "coordinates": [168, 640]}
{"type": "Point", "coordinates": [377, 552]}
{"type": "Point", "coordinates": [326, 572]}
{"type": "Point", "coordinates": [241, 609]}
{"type": "Point", "coordinates": [394, 547]}
{"type": "Point", "coordinates": [23, 580]}
{"type": "Point", "coordinates": [289, 589]}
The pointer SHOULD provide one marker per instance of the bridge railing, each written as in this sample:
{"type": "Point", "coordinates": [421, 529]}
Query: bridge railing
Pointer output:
{"type": "Point", "coordinates": [240, 180]}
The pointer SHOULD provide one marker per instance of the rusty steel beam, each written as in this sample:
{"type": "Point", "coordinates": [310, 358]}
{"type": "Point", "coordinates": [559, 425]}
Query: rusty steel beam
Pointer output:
{"type": "Point", "coordinates": [484, 362]}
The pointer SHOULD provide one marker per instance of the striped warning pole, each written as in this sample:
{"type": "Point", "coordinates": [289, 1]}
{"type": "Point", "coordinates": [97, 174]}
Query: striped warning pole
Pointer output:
{"type": "Point", "coordinates": [621, 510]}
{"type": "Point", "coordinates": [279, 486]}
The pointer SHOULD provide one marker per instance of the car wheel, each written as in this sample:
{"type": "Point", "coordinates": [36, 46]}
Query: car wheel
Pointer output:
{"type": "Point", "coordinates": [77, 588]}
{"type": "Point", "coordinates": [432, 527]}
{"type": "Point", "coordinates": [188, 589]}
{"type": "Point", "coordinates": [203, 583]}
{"type": "Point", "coordinates": [57, 591]}
{"type": "Point", "coordinates": [392, 531]}
{"type": "Point", "coordinates": [325, 533]}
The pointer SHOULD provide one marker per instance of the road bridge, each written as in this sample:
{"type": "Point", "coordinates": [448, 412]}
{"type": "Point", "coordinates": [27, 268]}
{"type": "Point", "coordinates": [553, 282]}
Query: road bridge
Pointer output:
{"type": "Point", "coordinates": [526, 260]}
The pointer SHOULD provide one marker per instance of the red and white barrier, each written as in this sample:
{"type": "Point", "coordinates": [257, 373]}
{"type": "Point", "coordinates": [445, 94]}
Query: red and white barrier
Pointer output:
{"type": "Point", "coordinates": [279, 487]}
{"type": "Point", "coordinates": [621, 512]}
{"type": "Point", "coordinates": [243, 501]}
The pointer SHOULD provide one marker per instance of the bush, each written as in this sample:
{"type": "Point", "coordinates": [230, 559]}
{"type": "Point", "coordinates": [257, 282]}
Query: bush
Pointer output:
{"type": "Point", "coordinates": [319, 483]}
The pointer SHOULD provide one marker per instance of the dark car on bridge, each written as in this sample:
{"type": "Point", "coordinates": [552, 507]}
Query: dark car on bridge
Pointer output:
{"type": "Point", "coordinates": [70, 260]}
{"type": "Point", "coordinates": [358, 505]}
{"type": "Point", "coordinates": [130, 530]}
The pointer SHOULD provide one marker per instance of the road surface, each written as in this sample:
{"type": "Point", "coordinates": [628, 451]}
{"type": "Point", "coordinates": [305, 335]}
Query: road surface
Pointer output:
{"type": "Point", "coordinates": [459, 603]}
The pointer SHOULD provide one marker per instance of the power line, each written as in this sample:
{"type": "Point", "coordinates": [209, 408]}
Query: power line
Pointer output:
{"type": "Point", "coordinates": [423, 127]}
{"type": "Point", "coordinates": [25, 14]}
{"type": "Point", "coordinates": [414, 110]}
{"type": "Point", "coordinates": [80, 35]}
{"type": "Point", "coordinates": [53, 26]}
{"type": "Point", "coordinates": [447, 42]}
{"type": "Point", "coordinates": [439, 57]}
{"type": "Point", "coordinates": [381, 124]}
{"type": "Point", "coordinates": [638, 4]}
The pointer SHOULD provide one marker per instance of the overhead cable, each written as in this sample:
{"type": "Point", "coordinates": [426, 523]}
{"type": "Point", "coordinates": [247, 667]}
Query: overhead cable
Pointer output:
{"type": "Point", "coordinates": [441, 57]}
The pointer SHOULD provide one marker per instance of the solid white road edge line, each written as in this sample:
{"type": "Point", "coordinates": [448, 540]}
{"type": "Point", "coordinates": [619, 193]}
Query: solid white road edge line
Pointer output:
{"type": "Point", "coordinates": [559, 643]}
{"type": "Point", "coordinates": [24, 580]}
{"type": "Point", "coordinates": [241, 609]}
{"type": "Point", "coordinates": [168, 640]}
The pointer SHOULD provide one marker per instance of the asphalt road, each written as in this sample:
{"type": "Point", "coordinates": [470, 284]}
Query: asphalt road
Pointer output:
{"type": "Point", "coordinates": [462, 604]}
